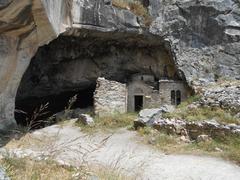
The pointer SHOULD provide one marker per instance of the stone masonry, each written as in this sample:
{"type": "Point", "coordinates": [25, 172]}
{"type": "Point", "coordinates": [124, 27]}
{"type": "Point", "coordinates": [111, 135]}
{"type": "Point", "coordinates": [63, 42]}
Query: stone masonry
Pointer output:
{"type": "Point", "coordinates": [110, 97]}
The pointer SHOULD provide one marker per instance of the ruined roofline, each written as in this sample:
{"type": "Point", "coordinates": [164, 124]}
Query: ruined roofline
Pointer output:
{"type": "Point", "coordinates": [169, 81]}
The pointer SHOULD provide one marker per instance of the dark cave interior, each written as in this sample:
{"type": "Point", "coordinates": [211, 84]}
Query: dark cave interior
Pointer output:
{"type": "Point", "coordinates": [56, 103]}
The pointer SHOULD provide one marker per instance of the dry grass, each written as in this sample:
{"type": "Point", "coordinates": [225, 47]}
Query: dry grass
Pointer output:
{"type": "Point", "coordinates": [110, 122]}
{"type": "Point", "coordinates": [123, 4]}
{"type": "Point", "coordinates": [227, 147]}
{"type": "Point", "coordinates": [204, 113]}
{"type": "Point", "coordinates": [28, 169]}
{"type": "Point", "coordinates": [183, 111]}
{"type": "Point", "coordinates": [136, 7]}
{"type": "Point", "coordinates": [105, 173]}
{"type": "Point", "coordinates": [162, 141]}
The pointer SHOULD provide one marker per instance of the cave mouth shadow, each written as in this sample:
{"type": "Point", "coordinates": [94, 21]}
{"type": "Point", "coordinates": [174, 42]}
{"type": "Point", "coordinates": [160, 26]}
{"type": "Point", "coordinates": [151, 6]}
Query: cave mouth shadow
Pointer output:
{"type": "Point", "coordinates": [42, 110]}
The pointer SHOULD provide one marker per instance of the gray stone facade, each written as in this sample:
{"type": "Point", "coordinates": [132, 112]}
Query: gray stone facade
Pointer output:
{"type": "Point", "coordinates": [110, 97]}
{"type": "Point", "coordinates": [143, 86]}
{"type": "Point", "coordinates": [171, 90]}
{"type": "Point", "coordinates": [148, 93]}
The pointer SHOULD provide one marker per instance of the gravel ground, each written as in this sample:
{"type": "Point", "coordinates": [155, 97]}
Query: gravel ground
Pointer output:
{"type": "Point", "coordinates": [124, 150]}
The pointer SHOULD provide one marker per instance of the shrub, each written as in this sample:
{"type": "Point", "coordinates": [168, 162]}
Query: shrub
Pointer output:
{"type": "Point", "coordinates": [136, 7]}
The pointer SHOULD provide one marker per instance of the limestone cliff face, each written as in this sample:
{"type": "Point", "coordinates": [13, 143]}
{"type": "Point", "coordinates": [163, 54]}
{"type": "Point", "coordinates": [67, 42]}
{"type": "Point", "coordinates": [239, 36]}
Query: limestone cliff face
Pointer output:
{"type": "Point", "coordinates": [23, 27]}
{"type": "Point", "coordinates": [203, 36]}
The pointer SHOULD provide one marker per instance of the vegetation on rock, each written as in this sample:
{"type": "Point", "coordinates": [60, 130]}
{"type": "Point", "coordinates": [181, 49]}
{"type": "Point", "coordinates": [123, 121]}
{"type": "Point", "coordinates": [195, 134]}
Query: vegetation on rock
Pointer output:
{"type": "Point", "coordinates": [136, 7]}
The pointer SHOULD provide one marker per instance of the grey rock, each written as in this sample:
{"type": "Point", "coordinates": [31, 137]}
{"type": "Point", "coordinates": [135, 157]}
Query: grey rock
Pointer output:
{"type": "Point", "coordinates": [147, 117]}
{"type": "Point", "coordinates": [167, 108]}
{"type": "Point", "coordinates": [86, 119]}
{"type": "Point", "coordinates": [194, 130]}
{"type": "Point", "coordinates": [225, 95]}
{"type": "Point", "coordinates": [172, 126]}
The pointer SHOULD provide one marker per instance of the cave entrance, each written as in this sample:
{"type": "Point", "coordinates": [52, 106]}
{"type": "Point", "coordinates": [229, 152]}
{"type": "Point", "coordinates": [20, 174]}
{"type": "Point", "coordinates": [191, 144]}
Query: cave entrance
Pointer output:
{"type": "Point", "coordinates": [71, 64]}
{"type": "Point", "coordinates": [27, 108]}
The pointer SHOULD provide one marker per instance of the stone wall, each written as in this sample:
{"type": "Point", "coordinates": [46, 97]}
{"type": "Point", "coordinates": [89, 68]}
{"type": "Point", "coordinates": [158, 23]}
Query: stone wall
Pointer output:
{"type": "Point", "coordinates": [166, 86]}
{"type": "Point", "coordinates": [151, 97]}
{"type": "Point", "coordinates": [110, 97]}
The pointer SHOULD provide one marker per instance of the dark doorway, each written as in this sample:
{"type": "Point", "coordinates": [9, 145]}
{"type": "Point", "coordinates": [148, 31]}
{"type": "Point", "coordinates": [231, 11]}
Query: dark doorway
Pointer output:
{"type": "Point", "coordinates": [138, 103]}
{"type": "Point", "coordinates": [178, 97]}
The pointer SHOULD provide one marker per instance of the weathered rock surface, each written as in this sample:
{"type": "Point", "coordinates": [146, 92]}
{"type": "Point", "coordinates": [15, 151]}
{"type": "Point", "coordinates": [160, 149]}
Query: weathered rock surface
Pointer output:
{"type": "Point", "coordinates": [153, 118]}
{"type": "Point", "coordinates": [202, 36]}
{"type": "Point", "coordinates": [211, 128]}
{"type": "Point", "coordinates": [172, 126]}
{"type": "Point", "coordinates": [74, 63]}
{"type": "Point", "coordinates": [150, 116]}
{"type": "Point", "coordinates": [24, 26]}
{"type": "Point", "coordinates": [225, 96]}
{"type": "Point", "coordinates": [86, 119]}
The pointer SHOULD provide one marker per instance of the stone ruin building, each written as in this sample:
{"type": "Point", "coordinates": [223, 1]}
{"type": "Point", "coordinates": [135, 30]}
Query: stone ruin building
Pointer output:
{"type": "Point", "coordinates": [146, 92]}
{"type": "Point", "coordinates": [142, 91]}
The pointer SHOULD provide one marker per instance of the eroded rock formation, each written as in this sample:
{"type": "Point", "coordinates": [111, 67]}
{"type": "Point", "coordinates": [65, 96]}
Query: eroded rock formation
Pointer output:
{"type": "Point", "coordinates": [202, 36]}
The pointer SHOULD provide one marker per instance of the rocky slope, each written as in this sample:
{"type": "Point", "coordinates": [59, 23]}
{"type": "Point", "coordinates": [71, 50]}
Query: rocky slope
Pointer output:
{"type": "Point", "coordinates": [202, 36]}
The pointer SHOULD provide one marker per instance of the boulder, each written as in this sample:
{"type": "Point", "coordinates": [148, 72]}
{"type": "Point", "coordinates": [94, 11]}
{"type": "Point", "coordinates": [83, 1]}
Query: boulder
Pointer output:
{"type": "Point", "coordinates": [148, 117]}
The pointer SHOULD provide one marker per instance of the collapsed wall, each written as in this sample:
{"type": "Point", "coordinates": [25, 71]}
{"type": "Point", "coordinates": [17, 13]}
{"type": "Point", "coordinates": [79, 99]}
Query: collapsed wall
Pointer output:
{"type": "Point", "coordinates": [110, 97]}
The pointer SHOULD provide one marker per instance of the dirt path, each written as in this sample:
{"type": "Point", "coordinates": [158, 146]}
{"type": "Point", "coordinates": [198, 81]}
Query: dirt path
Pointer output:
{"type": "Point", "coordinates": [124, 151]}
